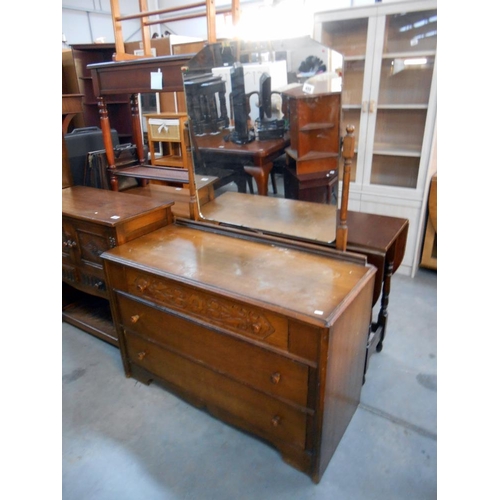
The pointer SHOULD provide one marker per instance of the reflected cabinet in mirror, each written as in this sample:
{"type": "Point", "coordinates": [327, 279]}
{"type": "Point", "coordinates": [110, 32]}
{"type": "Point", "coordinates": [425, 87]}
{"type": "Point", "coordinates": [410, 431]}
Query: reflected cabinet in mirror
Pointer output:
{"type": "Point", "coordinates": [264, 121]}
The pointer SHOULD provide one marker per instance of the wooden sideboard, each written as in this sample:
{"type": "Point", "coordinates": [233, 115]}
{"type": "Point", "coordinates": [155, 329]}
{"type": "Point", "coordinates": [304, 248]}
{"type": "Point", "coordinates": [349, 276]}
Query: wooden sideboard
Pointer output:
{"type": "Point", "coordinates": [93, 221]}
{"type": "Point", "coordinates": [263, 334]}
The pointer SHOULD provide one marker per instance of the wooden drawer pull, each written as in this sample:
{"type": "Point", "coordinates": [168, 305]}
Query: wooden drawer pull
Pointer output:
{"type": "Point", "coordinates": [69, 243]}
{"type": "Point", "coordinates": [142, 285]}
{"type": "Point", "coordinates": [134, 318]}
{"type": "Point", "coordinates": [276, 420]}
{"type": "Point", "coordinates": [275, 377]}
{"type": "Point", "coordinates": [141, 355]}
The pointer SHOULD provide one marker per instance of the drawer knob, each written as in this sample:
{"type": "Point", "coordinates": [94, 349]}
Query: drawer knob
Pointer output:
{"type": "Point", "coordinates": [142, 285]}
{"type": "Point", "coordinates": [69, 243]}
{"type": "Point", "coordinates": [141, 355]}
{"type": "Point", "coordinates": [275, 377]}
{"type": "Point", "coordinates": [98, 284]}
{"type": "Point", "coordinates": [134, 318]}
{"type": "Point", "coordinates": [276, 420]}
{"type": "Point", "coordinates": [256, 327]}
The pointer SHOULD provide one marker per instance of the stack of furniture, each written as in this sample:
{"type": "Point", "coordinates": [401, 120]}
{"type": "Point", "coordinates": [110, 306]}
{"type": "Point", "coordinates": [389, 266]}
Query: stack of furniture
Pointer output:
{"type": "Point", "coordinates": [183, 320]}
{"type": "Point", "coordinates": [263, 352]}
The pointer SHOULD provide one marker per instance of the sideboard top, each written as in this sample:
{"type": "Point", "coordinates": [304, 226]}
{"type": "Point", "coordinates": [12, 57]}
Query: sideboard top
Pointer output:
{"type": "Point", "coordinates": [104, 206]}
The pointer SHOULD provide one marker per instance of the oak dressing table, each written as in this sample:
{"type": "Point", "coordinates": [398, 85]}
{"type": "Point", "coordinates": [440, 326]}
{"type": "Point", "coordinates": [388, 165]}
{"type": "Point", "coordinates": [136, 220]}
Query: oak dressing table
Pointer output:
{"type": "Point", "coordinates": [266, 335]}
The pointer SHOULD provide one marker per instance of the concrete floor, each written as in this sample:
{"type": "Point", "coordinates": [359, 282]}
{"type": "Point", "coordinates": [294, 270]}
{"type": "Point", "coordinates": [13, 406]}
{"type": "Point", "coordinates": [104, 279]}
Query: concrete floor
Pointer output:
{"type": "Point", "coordinates": [124, 440]}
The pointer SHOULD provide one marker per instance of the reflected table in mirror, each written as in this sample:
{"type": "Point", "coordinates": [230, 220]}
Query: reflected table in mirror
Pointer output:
{"type": "Point", "coordinates": [255, 158]}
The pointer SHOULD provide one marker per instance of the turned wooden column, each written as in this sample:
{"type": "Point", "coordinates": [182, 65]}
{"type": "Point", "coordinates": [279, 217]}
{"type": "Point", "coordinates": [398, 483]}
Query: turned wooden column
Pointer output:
{"type": "Point", "coordinates": [348, 155]}
{"type": "Point", "coordinates": [108, 142]}
{"type": "Point", "coordinates": [136, 127]}
{"type": "Point", "coordinates": [137, 133]}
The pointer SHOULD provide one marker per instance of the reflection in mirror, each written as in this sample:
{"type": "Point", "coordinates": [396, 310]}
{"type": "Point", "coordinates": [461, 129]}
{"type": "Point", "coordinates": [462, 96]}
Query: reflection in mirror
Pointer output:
{"type": "Point", "coordinates": [264, 120]}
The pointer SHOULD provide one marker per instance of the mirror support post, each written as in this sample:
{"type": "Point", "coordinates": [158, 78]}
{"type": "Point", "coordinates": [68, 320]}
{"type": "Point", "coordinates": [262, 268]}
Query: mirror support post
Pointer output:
{"type": "Point", "coordinates": [348, 155]}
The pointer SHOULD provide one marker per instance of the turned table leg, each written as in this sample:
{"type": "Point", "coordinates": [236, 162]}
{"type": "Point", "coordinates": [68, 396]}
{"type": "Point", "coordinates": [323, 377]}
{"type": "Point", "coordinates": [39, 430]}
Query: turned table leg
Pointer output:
{"type": "Point", "coordinates": [136, 133]}
{"type": "Point", "coordinates": [383, 314]}
{"type": "Point", "coordinates": [261, 175]}
{"type": "Point", "coordinates": [108, 142]}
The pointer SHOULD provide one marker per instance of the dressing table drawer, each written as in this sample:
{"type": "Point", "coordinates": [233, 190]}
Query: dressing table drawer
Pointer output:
{"type": "Point", "coordinates": [255, 411]}
{"type": "Point", "coordinates": [266, 371]}
{"type": "Point", "coordinates": [221, 312]}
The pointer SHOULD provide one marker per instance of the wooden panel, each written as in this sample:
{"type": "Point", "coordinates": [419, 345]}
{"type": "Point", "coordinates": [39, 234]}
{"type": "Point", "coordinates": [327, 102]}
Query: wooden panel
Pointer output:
{"type": "Point", "coordinates": [344, 376]}
{"type": "Point", "coordinates": [304, 340]}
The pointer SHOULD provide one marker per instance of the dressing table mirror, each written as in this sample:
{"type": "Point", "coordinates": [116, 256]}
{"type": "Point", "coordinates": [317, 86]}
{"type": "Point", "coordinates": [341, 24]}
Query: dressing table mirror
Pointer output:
{"type": "Point", "coordinates": [264, 119]}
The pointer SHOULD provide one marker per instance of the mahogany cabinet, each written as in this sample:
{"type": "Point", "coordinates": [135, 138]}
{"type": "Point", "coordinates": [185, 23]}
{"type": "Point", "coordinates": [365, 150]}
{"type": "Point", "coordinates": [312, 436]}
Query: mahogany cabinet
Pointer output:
{"type": "Point", "coordinates": [314, 130]}
{"type": "Point", "coordinates": [266, 336]}
{"type": "Point", "coordinates": [93, 221]}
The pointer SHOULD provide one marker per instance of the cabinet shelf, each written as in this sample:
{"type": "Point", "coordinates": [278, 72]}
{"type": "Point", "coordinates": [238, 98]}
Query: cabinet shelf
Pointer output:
{"type": "Point", "coordinates": [311, 127]}
{"type": "Point", "coordinates": [311, 155]}
{"type": "Point", "coordinates": [168, 161]}
{"type": "Point", "coordinates": [396, 150]}
{"type": "Point", "coordinates": [408, 54]}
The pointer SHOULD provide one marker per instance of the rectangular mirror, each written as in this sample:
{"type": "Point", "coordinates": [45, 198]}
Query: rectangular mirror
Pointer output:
{"type": "Point", "coordinates": [264, 121]}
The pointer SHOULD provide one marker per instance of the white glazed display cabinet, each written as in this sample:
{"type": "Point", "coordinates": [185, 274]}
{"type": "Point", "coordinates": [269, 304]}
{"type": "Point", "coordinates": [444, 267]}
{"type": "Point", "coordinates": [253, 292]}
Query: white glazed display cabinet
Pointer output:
{"type": "Point", "coordinates": [389, 94]}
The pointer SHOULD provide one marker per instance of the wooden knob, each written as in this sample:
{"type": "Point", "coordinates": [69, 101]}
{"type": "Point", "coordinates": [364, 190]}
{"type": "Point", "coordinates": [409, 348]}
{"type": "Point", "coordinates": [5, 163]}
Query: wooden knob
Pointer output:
{"type": "Point", "coordinates": [134, 318]}
{"type": "Point", "coordinates": [256, 327]}
{"type": "Point", "coordinates": [142, 285]}
{"type": "Point", "coordinates": [275, 377]}
{"type": "Point", "coordinates": [141, 355]}
{"type": "Point", "coordinates": [276, 420]}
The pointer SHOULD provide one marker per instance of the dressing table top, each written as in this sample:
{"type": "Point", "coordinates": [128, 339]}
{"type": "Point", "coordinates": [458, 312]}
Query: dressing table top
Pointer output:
{"type": "Point", "coordinates": [303, 285]}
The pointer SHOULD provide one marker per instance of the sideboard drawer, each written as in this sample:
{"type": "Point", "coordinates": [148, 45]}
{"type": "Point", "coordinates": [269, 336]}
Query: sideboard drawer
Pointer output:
{"type": "Point", "coordinates": [231, 315]}
{"type": "Point", "coordinates": [267, 371]}
{"type": "Point", "coordinates": [270, 417]}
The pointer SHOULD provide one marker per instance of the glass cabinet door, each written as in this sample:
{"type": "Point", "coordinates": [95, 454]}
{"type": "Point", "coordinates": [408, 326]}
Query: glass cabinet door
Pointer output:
{"type": "Point", "coordinates": [388, 73]}
{"type": "Point", "coordinates": [350, 38]}
{"type": "Point", "coordinates": [406, 70]}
